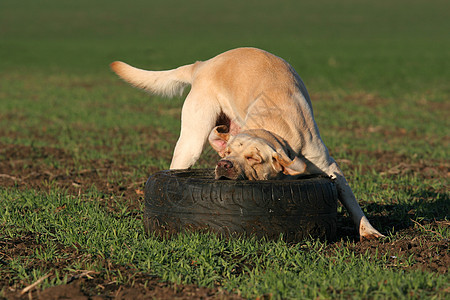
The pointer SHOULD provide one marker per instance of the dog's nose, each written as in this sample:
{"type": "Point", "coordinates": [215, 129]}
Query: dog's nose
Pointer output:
{"type": "Point", "coordinates": [225, 164]}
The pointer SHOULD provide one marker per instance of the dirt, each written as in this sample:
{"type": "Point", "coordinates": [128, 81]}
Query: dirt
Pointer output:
{"type": "Point", "coordinates": [90, 284]}
{"type": "Point", "coordinates": [44, 168]}
{"type": "Point", "coordinates": [96, 289]}
{"type": "Point", "coordinates": [391, 164]}
{"type": "Point", "coordinates": [415, 246]}
{"type": "Point", "coordinates": [90, 287]}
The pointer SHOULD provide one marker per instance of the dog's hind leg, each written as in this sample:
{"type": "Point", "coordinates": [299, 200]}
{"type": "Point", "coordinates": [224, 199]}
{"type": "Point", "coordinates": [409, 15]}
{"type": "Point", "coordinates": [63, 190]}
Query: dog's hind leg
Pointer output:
{"type": "Point", "coordinates": [198, 118]}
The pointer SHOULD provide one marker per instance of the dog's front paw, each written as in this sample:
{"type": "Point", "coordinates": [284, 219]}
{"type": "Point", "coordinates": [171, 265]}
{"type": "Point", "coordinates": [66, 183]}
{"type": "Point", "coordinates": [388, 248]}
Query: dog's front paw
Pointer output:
{"type": "Point", "coordinates": [367, 232]}
{"type": "Point", "coordinates": [370, 236]}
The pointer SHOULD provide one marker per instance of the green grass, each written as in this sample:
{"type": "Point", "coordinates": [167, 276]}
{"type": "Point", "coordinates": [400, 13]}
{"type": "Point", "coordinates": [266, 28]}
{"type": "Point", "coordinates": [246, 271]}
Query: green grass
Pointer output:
{"type": "Point", "coordinates": [246, 266]}
{"type": "Point", "coordinates": [378, 73]}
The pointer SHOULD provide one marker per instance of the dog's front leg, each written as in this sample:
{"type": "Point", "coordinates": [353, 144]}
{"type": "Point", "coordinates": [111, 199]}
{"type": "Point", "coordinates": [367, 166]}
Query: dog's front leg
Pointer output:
{"type": "Point", "coordinates": [347, 198]}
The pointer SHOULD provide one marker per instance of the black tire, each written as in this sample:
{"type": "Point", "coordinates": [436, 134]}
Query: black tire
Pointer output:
{"type": "Point", "coordinates": [178, 200]}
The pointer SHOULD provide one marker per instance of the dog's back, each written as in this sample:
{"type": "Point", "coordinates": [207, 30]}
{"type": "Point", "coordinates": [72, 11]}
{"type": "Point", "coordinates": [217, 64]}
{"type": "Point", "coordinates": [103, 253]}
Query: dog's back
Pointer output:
{"type": "Point", "coordinates": [238, 73]}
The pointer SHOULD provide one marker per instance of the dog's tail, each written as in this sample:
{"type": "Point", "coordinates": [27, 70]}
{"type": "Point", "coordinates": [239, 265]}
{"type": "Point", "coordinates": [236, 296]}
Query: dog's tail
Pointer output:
{"type": "Point", "coordinates": [166, 83]}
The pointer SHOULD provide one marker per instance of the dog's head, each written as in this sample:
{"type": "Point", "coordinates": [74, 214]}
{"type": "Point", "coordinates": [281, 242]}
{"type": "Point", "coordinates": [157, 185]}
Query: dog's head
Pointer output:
{"type": "Point", "coordinates": [253, 155]}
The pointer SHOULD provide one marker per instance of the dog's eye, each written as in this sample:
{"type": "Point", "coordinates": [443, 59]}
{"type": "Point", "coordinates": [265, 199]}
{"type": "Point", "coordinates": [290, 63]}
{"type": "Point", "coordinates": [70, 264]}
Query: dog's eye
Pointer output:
{"type": "Point", "coordinates": [252, 159]}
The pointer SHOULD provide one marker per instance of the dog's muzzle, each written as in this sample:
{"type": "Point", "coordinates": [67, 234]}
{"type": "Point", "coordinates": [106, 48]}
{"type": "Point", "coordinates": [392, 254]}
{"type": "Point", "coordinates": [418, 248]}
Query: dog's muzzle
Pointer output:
{"type": "Point", "coordinates": [225, 169]}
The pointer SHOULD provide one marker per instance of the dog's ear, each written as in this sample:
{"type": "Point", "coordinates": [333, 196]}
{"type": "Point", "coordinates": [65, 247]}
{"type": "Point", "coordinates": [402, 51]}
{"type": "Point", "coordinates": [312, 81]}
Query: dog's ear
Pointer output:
{"type": "Point", "coordinates": [218, 139]}
{"type": "Point", "coordinates": [282, 163]}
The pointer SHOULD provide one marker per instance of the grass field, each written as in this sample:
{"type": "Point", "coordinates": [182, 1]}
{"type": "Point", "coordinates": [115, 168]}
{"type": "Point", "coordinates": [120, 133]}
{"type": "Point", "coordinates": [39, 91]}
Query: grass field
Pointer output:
{"type": "Point", "coordinates": [77, 144]}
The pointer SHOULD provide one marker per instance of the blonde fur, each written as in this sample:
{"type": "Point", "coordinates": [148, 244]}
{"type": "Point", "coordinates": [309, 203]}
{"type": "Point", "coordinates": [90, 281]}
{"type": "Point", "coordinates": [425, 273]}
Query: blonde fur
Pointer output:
{"type": "Point", "coordinates": [167, 83]}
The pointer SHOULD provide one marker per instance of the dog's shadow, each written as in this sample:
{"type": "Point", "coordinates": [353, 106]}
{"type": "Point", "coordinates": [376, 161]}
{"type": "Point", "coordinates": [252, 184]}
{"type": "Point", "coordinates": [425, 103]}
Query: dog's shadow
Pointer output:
{"type": "Point", "coordinates": [391, 218]}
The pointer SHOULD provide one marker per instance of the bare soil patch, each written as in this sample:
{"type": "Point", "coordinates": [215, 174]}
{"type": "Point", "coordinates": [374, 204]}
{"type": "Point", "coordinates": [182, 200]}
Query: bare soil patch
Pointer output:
{"type": "Point", "coordinates": [414, 248]}
{"type": "Point", "coordinates": [84, 284]}
{"type": "Point", "coordinates": [390, 163]}
{"type": "Point", "coordinates": [44, 168]}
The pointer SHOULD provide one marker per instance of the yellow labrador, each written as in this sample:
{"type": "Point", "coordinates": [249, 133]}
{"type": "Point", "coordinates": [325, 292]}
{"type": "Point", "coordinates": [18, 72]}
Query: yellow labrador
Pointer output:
{"type": "Point", "coordinates": [256, 113]}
